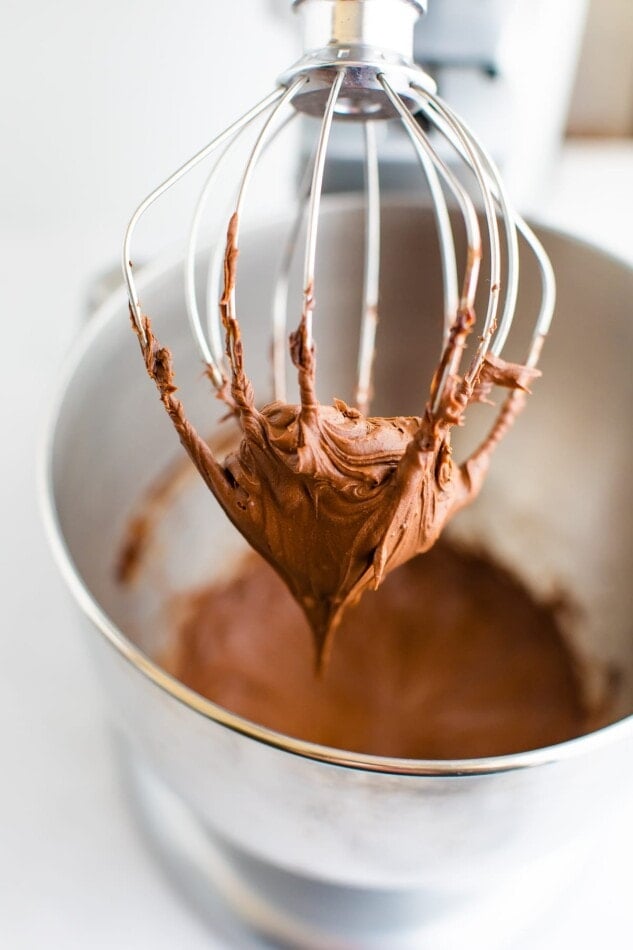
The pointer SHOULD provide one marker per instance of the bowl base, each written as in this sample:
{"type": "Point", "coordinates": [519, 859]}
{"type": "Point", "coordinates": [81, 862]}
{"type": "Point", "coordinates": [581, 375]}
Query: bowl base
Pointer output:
{"type": "Point", "coordinates": [253, 904]}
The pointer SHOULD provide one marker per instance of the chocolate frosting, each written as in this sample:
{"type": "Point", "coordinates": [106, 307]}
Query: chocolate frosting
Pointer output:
{"type": "Point", "coordinates": [451, 658]}
{"type": "Point", "coordinates": [334, 499]}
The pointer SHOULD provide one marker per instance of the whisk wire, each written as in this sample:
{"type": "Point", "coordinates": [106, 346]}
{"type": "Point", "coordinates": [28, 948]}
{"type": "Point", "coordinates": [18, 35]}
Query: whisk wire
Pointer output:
{"type": "Point", "coordinates": [213, 350]}
{"type": "Point", "coordinates": [315, 204]}
{"type": "Point", "coordinates": [448, 260]}
{"type": "Point", "coordinates": [499, 194]}
{"type": "Point", "coordinates": [513, 223]}
{"type": "Point", "coordinates": [253, 158]}
{"type": "Point", "coordinates": [451, 354]}
{"type": "Point", "coordinates": [168, 183]}
{"type": "Point", "coordinates": [211, 345]}
{"type": "Point", "coordinates": [493, 234]}
{"type": "Point", "coordinates": [282, 286]}
{"type": "Point", "coordinates": [471, 223]}
{"type": "Point", "coordinates": [216, 262]}
{"type": "Point", "coordinates": [468, 147]}
{"type": "Point", "coordinates": [371, 272]}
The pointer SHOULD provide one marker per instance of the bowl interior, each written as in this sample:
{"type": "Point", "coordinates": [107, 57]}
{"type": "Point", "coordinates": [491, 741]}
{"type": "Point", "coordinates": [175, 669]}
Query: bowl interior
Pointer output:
{"type": "Point", "coordinates": [557, 505]}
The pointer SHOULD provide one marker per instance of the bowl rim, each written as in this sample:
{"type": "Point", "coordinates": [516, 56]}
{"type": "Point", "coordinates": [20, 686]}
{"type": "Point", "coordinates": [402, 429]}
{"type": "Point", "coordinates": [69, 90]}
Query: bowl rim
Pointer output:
{"type": "Point", "coordinates": [105, 314]}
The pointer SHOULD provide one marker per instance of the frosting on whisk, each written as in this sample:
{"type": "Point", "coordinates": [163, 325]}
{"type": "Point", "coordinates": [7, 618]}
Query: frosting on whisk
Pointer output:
{"type": "Point", "coordinates": [333, 499]}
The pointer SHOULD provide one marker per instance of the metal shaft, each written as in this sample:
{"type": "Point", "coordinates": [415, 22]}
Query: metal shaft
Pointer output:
{"type": "Point", "coordinates": [381, 24]}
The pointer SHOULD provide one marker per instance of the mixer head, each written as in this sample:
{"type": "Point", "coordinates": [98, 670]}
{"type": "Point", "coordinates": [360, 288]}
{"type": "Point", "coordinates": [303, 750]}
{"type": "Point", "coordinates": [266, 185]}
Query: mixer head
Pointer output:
{"type": "Point", "coordinates": [358, 67]}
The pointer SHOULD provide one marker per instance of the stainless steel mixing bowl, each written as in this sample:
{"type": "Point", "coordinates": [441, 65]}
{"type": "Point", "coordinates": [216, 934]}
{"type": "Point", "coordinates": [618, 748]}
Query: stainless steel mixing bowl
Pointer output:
{"type": "Point", "coordinates": [311, 845]}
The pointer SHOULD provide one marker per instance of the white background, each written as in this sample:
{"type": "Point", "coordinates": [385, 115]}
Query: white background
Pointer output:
{"type": "Point", "coordinates": [99, 102]}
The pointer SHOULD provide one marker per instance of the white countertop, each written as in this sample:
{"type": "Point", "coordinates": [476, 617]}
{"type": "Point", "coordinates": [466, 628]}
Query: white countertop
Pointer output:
{"type": "Point", "coordinates": [74, 872]}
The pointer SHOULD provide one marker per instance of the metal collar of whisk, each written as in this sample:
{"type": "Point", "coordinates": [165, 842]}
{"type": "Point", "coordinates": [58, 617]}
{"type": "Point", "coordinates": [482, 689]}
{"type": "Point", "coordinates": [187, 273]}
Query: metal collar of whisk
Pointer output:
{"type": "Point", "coordinates": [365, 37]}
